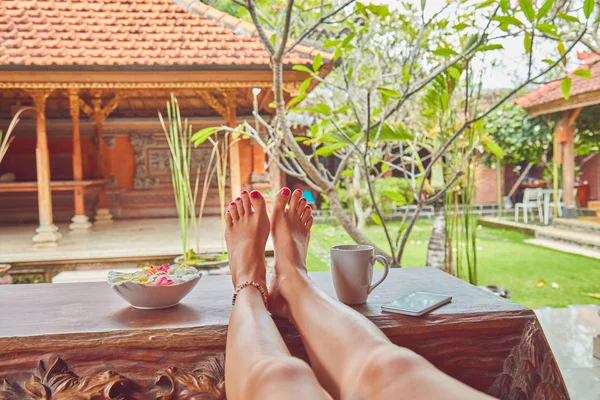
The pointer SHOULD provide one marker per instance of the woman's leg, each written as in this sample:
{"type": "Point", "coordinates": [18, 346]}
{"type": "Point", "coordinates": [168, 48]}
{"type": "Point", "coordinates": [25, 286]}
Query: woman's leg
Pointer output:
{"type": "Point", "coordinates": [258, 364]}
{"type": "Point", "coordinates": [350, 355]}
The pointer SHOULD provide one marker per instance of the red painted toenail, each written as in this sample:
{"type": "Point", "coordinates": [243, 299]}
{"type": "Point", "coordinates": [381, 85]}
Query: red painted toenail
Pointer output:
{"type": "Point", "coordinates": [285, 192]}
{"type": "Point", "coordinates": [254, 195]}
{"type": "Point", "coordinates": [244, 192]}
{"type": "Point", "coordinates": [307, 207]}
{"type": "Point", "coordinates": [232, 204]}
{"type": "Point", "coordinates": [238, 199]}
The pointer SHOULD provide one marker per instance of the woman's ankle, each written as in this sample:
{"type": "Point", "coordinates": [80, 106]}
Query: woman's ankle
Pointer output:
{"type": "Point", "coordinates": [293, 283]}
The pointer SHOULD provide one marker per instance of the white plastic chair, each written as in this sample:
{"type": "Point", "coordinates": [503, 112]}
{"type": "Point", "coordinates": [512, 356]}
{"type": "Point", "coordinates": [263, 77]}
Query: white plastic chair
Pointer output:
{"type": "Point", "coordinates": [531, 201]}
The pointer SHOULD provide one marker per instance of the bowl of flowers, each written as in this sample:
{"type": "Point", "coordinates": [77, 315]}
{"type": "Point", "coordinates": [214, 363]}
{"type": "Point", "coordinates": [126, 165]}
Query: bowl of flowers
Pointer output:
{"type": "Point", "coordinates": [155, 287]}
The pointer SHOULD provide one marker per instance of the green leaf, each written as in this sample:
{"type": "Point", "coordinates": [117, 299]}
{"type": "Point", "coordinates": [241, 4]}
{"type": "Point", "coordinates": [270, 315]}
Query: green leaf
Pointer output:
{"type": "Point", "coordinates": [444, 52]}
{"type": "Point", "coordinates": [376, 219]}
{"type": "Point", "coordinates": [484, 4]}
{"type": "Point", "coordinates": [203, 134]}
{"type": "Point", "coordinates": [454, 72]}
{"type": "Point", "coordinates": [508, 20]}
{"type": "Point", "coordinates": [317, 62]}
{"type": "Point", "coordinates": [493, 148]}
{"type": "Point", "coordinates": [562, 51]}
{"type": "Point", "coordinates": [527, 43]}
{"type": "Point", "coordinates": [296, 100]}
{"type": "Point", "coordinates": [328, 150]}
{"type": "Point", "coordinates": [397, 197]}
{"type": "Point", "coordinates": [547, 28]}
{"type": "Point", "coordinates": [337, 53]}
{"type": "Point", "coordinates": [302, 68]}
{"type": "Point", "coordinates": [583, 73]}
{"type": "Point", "coordinates": [304, 86]}
{"type": "Point", "coordinates": [488, 47]}
{"type": "Point", "coordinates": [544, 9]}
{"type": "Point", "coordinates": [319, 108]}
{"type": "Point", "coordinates": [470, 42]}
{"type": "Point", "coordinates": [588, 8]}
{"type": "Point", "coordinates": [389, 92]}
{"type": "Point", "coordinates": [342, 109]}
{"type": "Point", "coordinates": [329, 43]}
{"type": "Point", "coordinates": [385, 168]}
{"type": "Point", "coordinates": [347, 40]}
{"type": "Point", "coordinates": [347, 172]}
{"type": "Point", "coordinates": [461, 26]}
{"type": "Point", "coordinates": [504, 5]}
{"type": "Point", "coordinates": [566, 87]}
{"type": "Point", "coordinates": [567, 17]}
{"type": "Point", "coordinates": [527, 9]}
{"type": "Point", "coordinates": [548, 61]}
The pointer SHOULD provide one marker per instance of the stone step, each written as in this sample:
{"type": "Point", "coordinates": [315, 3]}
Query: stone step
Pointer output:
{"type": "Point", "coordinates": [565, 247]}
{"type": "Point", "coordinates": [583, 239]}
{"type": "Point", "coordinates": [594, 205]}
{"type": "Point", "coordinates": [582, 224]}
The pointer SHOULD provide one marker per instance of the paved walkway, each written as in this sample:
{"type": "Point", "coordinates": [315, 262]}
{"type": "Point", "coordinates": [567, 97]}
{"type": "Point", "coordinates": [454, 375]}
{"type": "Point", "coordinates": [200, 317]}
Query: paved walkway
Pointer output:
{"type": "Point", "coordinates": [570, 332]}
{"type": "Point", "coordinates": [123, 239]}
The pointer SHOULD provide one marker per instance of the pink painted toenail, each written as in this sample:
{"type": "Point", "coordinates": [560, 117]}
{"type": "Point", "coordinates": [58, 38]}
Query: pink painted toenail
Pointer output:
{"type": "Point", "coordinates": [254, 195]}
{"type": "Point", "coordinates": [238, 199]}
{"type": "Point", "coordinates": [244, 192]}
{"type": "Point", "coordinates": [285, 192]}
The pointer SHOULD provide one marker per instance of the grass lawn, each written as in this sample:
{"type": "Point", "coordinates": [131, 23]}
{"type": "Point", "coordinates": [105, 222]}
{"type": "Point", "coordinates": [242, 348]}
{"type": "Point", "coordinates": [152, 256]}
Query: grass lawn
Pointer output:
{"type": "Point", "coordinates": [503, 259]}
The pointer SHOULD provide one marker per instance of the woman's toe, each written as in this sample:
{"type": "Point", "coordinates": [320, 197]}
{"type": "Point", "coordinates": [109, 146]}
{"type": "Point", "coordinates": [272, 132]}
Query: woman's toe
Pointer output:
{"type": "Point", "coordinates": [281, 200]}
{"type": "Point", "coordinates": [306, 215]}
{"type": "Point", "coordinates": [258, 202]}
{"type": "Point", "coordinates": [228, 219]}
{"type": "Point", "coordinates": [233, 212]}
{"type": "Point", "coordinates": [301, 206]}
{"type": "Point", "coordinates": [240, 206]}
{"type": "Point", "coordinates": [246, 201]}
{"type": "Point", "coordinates": [296, 196]}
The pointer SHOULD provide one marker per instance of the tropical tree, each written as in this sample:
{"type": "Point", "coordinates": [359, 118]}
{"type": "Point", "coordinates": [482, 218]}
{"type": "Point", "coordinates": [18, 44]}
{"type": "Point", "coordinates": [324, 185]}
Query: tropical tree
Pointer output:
{"type": "Point", "coordinates": [385, 59]}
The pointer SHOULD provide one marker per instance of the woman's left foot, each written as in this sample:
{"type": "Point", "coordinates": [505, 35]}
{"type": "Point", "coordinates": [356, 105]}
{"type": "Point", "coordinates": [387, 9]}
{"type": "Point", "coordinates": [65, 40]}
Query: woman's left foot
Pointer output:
{"type": "Point", "coordinates": [246, 234]}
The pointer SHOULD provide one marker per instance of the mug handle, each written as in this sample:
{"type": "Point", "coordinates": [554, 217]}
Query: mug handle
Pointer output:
{"type": "Point", "coordinates": [384, 261]}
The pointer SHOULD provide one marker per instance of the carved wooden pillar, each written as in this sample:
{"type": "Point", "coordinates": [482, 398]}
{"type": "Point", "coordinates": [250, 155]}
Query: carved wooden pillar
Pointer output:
{"type": "Point", "coordinates": [565, 137]}
{"type": "Point", "coordinates": [235, 178]}
{"type": "Point", "coordinates": [47, 233]}
{"type": "Point", "coordinates": [99, 112]}
{"type": "Point", "coordinates": [80, 221]}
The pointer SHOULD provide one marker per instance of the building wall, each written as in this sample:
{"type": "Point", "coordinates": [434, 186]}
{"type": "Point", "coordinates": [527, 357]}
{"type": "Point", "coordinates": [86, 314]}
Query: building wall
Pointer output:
{"type": "Point", "coordinates": [136, 160]}
{"type": "Point", "coordinates": [590, 172]}
{"type": "Point", "coordinates": [486, 183]}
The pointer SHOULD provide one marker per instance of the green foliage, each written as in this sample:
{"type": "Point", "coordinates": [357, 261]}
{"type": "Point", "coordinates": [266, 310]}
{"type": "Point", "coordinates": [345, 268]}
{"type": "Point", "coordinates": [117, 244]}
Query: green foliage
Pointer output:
{"type": "Point", "coordinates": [392, 192]}
{"type": "Point", "coordinates": [523, 139]}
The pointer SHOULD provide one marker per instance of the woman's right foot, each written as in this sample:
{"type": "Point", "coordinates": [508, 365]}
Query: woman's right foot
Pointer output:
{"type": "Point", "coordinates": [290, 230]}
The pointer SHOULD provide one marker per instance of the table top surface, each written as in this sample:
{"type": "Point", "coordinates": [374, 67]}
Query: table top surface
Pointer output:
{"type": "Point", "coordinates": [76, 308]}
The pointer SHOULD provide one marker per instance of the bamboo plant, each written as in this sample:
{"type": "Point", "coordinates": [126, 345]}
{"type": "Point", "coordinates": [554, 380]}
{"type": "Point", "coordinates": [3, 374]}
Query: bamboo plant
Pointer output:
{"type": "Point", "coordinates": [178, 133]}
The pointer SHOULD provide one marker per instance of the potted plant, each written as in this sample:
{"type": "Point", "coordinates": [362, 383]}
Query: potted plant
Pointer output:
{"type": "Point", "coordinates": [179, 138]}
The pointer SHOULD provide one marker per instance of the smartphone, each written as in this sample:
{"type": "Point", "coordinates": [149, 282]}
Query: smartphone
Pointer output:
{"type": "Point", "coordinates": [417, 303]}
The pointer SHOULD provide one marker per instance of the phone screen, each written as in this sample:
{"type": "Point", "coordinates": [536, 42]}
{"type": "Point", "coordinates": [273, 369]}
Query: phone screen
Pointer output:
{"type": "Point", "coordinates": [418, 301]}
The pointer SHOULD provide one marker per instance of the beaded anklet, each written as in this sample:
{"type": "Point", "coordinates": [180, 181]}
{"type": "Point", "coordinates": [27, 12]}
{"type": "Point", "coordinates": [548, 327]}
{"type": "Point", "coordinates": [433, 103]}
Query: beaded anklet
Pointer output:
{"type": "Point", "coordinates": [256, 285]}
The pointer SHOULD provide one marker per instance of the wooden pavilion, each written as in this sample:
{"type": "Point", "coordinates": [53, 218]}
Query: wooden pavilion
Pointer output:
{"type": "Point", "coordinates": [97, 71]}
{"type": "Point", "coordinates": [584, 102]}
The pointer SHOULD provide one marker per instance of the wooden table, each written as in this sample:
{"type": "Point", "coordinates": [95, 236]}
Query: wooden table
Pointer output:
{"type": "Point", "coordinates": [73, 339]}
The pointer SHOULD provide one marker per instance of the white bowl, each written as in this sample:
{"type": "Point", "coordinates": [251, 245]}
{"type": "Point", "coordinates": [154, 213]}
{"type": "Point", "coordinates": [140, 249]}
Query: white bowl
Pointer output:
{"type": "Point", "coordinates": [147, 297]}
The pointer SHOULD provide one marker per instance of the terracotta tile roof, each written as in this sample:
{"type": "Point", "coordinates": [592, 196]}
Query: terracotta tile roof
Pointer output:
{"type": "Point", "coordinates": [128, 33]}
{"type": "Point", "coordinates": [552, 91]}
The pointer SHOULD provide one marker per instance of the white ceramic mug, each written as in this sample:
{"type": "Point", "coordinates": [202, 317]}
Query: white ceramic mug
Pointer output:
{"type": "Point", "coordinates": [352, 269]}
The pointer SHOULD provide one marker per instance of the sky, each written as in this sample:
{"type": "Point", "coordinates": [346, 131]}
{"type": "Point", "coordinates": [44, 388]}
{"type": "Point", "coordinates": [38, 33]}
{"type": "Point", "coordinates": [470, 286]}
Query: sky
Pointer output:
{"type": "Point", "coordinates": [511, 61]}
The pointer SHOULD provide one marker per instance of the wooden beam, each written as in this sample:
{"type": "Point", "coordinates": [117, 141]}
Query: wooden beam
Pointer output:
{"type": "Point", "coordinates": [47, 233]}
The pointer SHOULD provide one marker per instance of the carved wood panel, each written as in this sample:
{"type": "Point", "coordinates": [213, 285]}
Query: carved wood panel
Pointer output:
{"type": "Point", "coordinates": [54, 379]}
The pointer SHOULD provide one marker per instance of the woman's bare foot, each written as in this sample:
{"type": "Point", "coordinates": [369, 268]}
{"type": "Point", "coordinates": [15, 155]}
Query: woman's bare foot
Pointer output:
{"type": "Point", "coordinates": [246, 234]}
{"type": "Point", "coordinates": [290, 230]}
